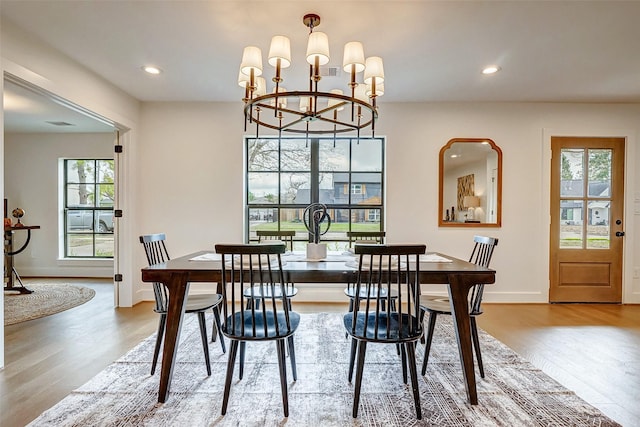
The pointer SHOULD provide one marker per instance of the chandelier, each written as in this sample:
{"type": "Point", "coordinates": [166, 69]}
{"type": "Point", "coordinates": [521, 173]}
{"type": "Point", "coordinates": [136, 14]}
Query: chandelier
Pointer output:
{"type": "Point", "coordinates": [311, 111]}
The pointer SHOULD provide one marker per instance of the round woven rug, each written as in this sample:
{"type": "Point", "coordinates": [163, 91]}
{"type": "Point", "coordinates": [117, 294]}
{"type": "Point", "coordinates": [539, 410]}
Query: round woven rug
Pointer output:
{"type": "Point", "coordinates": [45, 300]}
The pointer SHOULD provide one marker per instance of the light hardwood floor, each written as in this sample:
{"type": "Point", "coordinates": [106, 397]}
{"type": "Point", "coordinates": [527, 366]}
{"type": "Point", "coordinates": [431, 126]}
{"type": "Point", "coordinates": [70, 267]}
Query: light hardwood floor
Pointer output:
{"type": "Point", "coordinates": [593, 350]}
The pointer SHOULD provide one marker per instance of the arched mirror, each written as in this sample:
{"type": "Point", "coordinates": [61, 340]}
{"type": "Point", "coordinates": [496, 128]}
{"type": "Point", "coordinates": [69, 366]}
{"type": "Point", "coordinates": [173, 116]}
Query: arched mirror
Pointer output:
{"type": "Point", "coordinates": [470, 183]}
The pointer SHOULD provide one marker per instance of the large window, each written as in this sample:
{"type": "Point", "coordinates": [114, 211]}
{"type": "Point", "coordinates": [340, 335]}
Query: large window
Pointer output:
{"type": "Point", "coordinates": [88, 208]}
{"type": "Point", "coordinates": [285, 175]}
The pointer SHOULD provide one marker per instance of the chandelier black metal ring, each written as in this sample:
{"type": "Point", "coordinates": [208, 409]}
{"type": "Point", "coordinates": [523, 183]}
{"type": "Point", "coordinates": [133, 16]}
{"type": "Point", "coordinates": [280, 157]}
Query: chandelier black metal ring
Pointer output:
{"type": "Point", "coordinates": [311, 111]}
{"type": "Point", "coordinates": [262, 111]}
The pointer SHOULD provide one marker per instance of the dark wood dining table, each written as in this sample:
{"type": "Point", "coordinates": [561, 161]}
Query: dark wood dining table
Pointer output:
{"type": "Point", "coordinates": [178, 273]}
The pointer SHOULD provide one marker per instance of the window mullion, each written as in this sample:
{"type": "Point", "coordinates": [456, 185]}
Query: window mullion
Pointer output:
{"type": "Point", "coordinates": [315, 170]}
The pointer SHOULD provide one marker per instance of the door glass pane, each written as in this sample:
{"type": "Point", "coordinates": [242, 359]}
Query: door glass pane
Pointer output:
{"type": "Point", "coordinates": [571, 231]}
{"type": "Point", "coordinates": [295, 188]}
{"type": "Point", "coordinates": [262, 154]}
{"type": "Point", "coordinates": [598, 237]}
{"type": "Point", "coordinates": [600, 173]}
{"type": "Point", "coordinates": [263, 188]}
{"type": "Point", "coordinates": [571, 173]}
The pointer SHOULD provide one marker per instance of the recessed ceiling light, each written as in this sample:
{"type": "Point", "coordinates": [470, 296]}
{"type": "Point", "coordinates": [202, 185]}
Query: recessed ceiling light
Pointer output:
{"type": "Point", "coordinates": [491, 69]}
{"type": "Point", "coordinates": [151, 69]}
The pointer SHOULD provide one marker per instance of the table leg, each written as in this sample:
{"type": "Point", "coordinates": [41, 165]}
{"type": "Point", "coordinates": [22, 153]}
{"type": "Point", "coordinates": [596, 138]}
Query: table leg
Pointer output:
{"type": "Point", "coordinates": [178, 287]}
{"type": "Point", "coordinates": [458, 295]}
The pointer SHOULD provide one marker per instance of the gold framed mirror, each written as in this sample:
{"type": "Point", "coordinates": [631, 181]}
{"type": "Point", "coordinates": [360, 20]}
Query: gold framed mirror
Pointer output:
{"type": "Point", "coordinates": [470, 183]}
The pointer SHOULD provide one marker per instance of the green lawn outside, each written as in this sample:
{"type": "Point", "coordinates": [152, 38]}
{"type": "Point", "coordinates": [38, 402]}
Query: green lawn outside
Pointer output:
{"type": "Point", "coordinates": [593, 243]}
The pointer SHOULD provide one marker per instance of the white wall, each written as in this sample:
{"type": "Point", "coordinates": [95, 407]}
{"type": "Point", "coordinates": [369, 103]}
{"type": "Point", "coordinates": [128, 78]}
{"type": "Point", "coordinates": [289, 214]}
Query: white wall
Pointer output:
{"type": "Point", "coordinates": [191, 178]}
{"type": "Point", "coordinates": [31, 182]}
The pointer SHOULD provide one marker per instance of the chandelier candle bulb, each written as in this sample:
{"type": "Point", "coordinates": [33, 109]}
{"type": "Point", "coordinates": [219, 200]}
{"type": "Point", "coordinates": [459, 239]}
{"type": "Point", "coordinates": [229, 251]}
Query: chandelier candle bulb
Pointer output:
{"type": "Point", "coordinates": [379, 90]}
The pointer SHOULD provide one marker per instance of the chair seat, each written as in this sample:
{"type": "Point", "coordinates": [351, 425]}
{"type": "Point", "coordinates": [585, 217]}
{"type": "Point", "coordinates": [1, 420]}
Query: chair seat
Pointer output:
{"type": "Point", "coordinates": [200, 302]}
{"type": "Point", "coordinates": [373, 292]}
{"type": "Point", "coordinates": [440, 305]}
{"type": "Point", "coordinates": [396, 331]}
{"type": "Point", "coordinates": [265, 292]}
{"type": "Point", "coordinates": [265, 325]}
{"type": "Point", "coordinates": [429, 297]}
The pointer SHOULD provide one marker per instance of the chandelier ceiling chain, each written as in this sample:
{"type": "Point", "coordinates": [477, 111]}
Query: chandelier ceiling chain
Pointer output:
{"type": "Point", "coordinates": [311, 111]}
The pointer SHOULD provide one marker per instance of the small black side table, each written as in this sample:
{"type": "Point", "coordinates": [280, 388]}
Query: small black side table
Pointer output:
{"type": "Point", "coordinates": [9, 270]}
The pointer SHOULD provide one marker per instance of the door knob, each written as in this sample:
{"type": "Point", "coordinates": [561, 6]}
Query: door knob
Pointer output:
{"type": "Point", "coordinates": [619, 233]}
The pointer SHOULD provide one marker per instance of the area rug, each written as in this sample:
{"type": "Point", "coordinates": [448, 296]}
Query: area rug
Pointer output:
{"type": "Point", "coordinates": [46, 299]}
{"type": "Point", "coordinates": [514, 393]}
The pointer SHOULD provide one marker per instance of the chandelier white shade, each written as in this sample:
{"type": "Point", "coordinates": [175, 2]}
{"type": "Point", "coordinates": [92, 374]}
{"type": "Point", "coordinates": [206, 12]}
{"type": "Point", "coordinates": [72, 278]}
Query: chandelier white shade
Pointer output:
{"type": "Point", "coordinates": [311, 111]}
{"type": "Point", "coordinates": [251, 61]}
{"type": "Point", "coordinates": [280, 49]}
{"type": "Point", "coordinates": [318, 49]}
{"type": "Point", "coordinates": [353, 57]}
{"type": "Point", "coordinates": [373, 71]}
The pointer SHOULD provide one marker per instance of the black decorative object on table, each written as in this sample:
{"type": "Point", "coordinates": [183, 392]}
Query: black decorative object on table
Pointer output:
{"type": "Point", "coordinates": [314, 215]}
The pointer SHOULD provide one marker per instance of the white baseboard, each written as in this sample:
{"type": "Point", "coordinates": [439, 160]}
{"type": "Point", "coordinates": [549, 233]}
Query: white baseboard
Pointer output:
{"type": "Point", "coordinates": [66, 271]}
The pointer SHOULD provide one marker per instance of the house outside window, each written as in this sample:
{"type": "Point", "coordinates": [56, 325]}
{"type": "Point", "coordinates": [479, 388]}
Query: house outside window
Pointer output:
{"type": "Point", "coordinates": [88, 194]}
{"type": "Point", "coordinates": [284, 176]}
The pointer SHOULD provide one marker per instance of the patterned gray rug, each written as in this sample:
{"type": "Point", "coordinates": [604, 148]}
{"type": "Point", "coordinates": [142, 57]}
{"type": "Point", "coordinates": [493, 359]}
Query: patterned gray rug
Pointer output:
{"type": "Point", "coordinates": [46, 299]}
{"type": "Point", "coordinates": [514, 393]}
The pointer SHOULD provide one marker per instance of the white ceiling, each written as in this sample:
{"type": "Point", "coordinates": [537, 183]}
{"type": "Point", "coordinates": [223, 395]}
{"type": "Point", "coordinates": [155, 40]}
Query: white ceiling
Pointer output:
{"type": "Point", "coordinates": [26, 111]}
{"type": "Point", "coordinates": [549, 51]}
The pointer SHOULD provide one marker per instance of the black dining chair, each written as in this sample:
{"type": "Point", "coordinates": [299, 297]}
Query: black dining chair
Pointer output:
{"type": "Point", "coordinates": [257, 294]}
{"type": "Point", "coordinates": [245, 267]}
{"type": "Point", "coordinates": [286, 236]}
{"type": "Point", "coordinates": [434, 305]}
{"type": "Point", "coordinates": [396, 269]}
{"type": "Point", "coordinates": [364, 237]}
{"type": "Point", "coordinates": [156, 252]}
